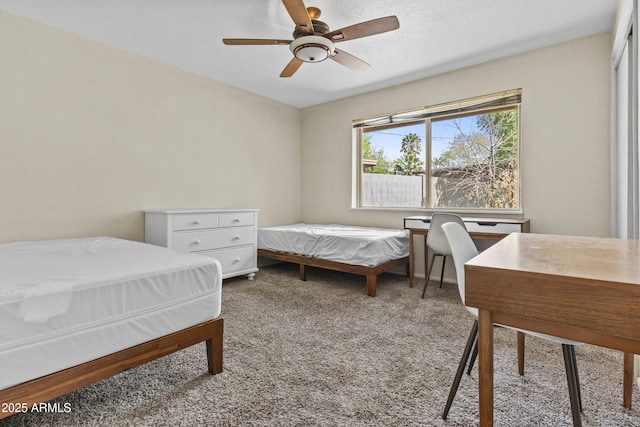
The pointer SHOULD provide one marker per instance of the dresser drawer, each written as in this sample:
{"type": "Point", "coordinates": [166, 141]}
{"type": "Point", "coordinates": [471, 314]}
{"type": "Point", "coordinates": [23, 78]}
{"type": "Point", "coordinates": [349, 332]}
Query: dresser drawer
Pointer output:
{"type": "Point", "coordinates": [236, 219]}
{"type": "Point", "coordinates": [195, 221]}
{"type": "Point", "coordinates": [204, 240]}
{"type": "Point", "coordinates": [235, 260]}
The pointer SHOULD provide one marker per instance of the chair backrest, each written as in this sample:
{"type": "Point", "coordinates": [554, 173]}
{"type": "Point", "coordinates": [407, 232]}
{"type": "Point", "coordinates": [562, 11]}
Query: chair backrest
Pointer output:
{"type": "Point", "coordinates": [462, 250]}
{"type": "Point", "coordinates": [435, 238]}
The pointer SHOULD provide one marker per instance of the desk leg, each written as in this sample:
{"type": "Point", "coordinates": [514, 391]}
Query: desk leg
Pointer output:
{"type": "Point", "coordinates": [627, 387]}
{"type": "Point", "coordinates": [520, 353]}
{"type": "Point", "coordinates": [485, 362]}
{"type": "Point", "coordinates": [411, 258]}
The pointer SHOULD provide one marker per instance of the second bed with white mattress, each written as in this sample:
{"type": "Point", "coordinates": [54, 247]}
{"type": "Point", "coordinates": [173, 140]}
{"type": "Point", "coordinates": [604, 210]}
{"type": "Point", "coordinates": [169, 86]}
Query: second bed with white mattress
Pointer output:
{"type": "Point", "coordinates": [368, 246]}
{"type": "Point", "coordinates": [66, 302]}
{"type": "Point", "coordinates": [367, 251]}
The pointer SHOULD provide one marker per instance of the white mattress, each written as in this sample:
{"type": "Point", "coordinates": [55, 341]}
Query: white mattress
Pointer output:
{"type": "Point", "coordinates": [355, 245]}
{"type": "Point", "coordinates": [65, 302]}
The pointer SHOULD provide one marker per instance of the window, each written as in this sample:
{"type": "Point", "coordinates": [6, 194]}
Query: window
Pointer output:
{"type": "Point", "coordinates": [459, 155]}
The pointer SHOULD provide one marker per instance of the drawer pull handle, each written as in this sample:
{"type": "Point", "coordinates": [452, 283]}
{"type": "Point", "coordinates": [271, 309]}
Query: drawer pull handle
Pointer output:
{"type": "Point", "coordinates": [196, 222]}
{"type": "Point", "coordinates": [236, 237]}
{"type": "Point", "coordinates": [236, 220]}
{"type": "Point", "coordinates": [196, 242]}
{"type": "Point", "coordinates": [236, 260]}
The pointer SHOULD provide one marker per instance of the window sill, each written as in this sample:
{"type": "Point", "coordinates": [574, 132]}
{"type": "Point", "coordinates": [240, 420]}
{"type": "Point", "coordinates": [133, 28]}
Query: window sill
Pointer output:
{"type": "Point", "coordinates": [462, 212]}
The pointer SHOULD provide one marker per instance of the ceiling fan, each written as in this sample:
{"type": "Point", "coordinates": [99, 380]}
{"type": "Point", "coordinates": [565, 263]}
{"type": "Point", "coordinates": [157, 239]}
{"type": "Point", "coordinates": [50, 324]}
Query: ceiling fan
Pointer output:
{"type": "Point", "coordinates": [314, 42]}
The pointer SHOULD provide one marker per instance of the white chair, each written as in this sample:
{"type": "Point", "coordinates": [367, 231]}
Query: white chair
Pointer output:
{"type": "Point", "coordinates": [463, 249]}
{"type": "Point", "coordinates": [437, 242]}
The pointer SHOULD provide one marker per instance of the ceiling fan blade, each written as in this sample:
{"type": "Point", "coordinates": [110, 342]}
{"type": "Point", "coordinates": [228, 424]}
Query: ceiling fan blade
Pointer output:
{"type": "Point", "coordinates": [298, 12]}
{"type": "Point", "coordinates": [349, 61]}
{"type": "Point", "coordinates": [251, 42]}
{"type": "Point", "coordinates": [364, 29]}
{"type": "Point", "coordinates": [291, 67]}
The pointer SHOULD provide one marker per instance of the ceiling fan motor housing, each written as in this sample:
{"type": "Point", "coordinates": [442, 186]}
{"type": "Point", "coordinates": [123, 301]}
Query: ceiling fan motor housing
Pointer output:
{"type": "Point", "coordinates": [319, 27]}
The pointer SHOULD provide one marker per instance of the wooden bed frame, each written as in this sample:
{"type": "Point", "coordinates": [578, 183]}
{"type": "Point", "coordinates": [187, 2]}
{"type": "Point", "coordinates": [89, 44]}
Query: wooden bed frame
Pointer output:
{"type": "Point", "coordinates": [370, 272]}
{"type": "Point", "coordinates": [43, 389]}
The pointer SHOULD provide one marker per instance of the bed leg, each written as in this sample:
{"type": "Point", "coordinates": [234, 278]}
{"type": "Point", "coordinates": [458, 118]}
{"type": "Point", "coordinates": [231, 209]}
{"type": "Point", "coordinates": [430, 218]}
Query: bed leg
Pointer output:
{"type": "Point", "coordinates": [371, 284]}
{"type": "Point", "coordinates": [303, 274]}
{"type": "Point", "coordinates": [214, 354]}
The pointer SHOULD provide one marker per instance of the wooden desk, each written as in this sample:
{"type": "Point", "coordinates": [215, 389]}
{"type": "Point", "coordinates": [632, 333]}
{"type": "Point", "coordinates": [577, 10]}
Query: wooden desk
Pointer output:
{"type": "Point", "coordinates": [479, 229]}
{"type": "Point", "coordinates": [581, 288]}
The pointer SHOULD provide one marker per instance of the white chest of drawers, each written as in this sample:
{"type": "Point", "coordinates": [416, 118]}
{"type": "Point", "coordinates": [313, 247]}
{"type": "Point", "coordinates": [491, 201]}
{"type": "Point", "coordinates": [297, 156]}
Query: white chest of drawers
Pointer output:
{"type": "Point", "coordinates": [229, 235]}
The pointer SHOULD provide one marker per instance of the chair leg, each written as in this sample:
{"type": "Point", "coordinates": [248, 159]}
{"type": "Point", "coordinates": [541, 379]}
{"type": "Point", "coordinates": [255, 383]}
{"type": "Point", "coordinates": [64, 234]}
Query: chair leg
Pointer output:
{"type": "Point", "coordinates": [574, 362]}
{"type": "Point", "coordinates": [426, 279]}
{"type": "Point", "coordinates": [463, 361]}
{"type": "Point", "coordinates": [444, 260]}
{"type": "Point", "coordinates": [474, 356]}
{"type": "Point", "coordinates": [574, 393]}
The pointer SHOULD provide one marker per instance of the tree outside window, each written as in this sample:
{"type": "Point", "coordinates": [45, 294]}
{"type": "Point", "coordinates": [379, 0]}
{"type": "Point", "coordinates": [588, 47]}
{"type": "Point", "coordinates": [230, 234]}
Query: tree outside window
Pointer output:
{"type": "Point", "coordinates": [410, 162]}
{"type": "Point", "coordinates": [480, 167]}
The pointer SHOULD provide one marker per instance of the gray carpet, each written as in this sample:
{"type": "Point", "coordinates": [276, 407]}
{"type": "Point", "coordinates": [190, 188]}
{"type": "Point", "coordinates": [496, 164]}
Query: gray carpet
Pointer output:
{"type": "Point", "coordinates": [323, 353]}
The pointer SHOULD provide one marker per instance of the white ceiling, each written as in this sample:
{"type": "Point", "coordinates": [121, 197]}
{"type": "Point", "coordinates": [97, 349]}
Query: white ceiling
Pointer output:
{"type": "Point", "coordinates": [434, 36]}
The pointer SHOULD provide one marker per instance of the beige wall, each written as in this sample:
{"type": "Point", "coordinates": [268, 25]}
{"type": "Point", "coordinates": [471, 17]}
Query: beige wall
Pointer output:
{"type": "Point", "coordinates": [565, 136]}
{"type": "Point", "coordinates": [90, 136]}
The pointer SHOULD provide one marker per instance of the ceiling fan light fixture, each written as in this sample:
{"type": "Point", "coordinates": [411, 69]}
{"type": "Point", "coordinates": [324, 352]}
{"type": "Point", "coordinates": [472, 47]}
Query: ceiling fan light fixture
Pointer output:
{"type": "Point", "coordinates": [312, 48]}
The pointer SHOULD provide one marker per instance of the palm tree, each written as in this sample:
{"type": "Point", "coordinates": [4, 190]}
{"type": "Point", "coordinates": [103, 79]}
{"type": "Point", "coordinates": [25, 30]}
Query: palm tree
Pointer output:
{"type": "Point", "coordinates": [410, 163]}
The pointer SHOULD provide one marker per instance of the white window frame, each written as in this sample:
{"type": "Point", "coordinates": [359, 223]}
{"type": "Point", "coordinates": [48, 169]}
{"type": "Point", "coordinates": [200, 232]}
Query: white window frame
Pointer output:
{"type": "Point", "coordinates": [477, 105]}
